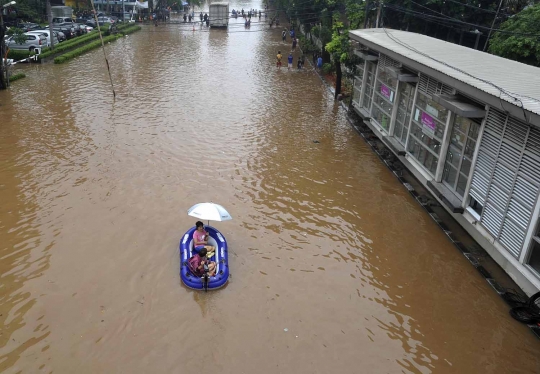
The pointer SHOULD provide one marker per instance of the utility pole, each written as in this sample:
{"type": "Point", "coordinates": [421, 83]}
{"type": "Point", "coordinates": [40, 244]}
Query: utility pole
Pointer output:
{"type": "Point", "coordinates": [492, 25]}
{"type": "Point", "coordinates": [4, 81]}
{"type": "Point", "coordinates": [379, 8]}
{"type": "Point", "coordinates": [49, 18]}
{"type": "Point", "coordinates": [366, 13]}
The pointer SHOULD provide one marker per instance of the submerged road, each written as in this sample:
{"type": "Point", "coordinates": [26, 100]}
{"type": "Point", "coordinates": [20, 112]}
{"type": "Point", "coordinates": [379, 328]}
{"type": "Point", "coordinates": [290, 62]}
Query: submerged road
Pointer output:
{"type": "Point", "coordinates": [334, 266]}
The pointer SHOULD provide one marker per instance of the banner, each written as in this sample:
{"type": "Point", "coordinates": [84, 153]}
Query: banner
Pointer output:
{"type": "Point", "coordinates": [141, 4]}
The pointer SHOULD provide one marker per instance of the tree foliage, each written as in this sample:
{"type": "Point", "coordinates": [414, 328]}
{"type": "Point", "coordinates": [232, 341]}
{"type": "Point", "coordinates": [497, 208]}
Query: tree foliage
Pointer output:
{"type": "Point", "coordinates": [17, 34]}
{"type": "Point", "coordinates": [518, 47]}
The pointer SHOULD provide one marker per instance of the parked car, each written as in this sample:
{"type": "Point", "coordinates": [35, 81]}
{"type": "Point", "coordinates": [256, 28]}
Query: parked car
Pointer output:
{"type": "Point", "coordinates": [32, 41]}
{"type": "Point", "coordinates": [62, 20]}
{"type": "Point", "coordinates": [103, 20]}
{"type": "Point", "coordinates": [47, 35]}
{"type": "Point", "coordinates": [68, 31]}
{"type": "Point", "coordinates": [61, 36]}
{"type": "Point", "coordinates": [83, 28]}
{"type": "Point", "coordinates": [90, 22]}
{"type": "Point", "coordinates": [76, 28]}
{"type": "Point", "coordinates": [127, 16]}
{"type": "Point", "coordinates": [27, 26]}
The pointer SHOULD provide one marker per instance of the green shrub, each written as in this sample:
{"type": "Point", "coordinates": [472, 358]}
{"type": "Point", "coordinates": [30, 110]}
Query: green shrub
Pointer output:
{"type": "Point", "coordinates": [18, 54]}
{"type": "Point", "coordinates": [327, 68]}
{"type": "Point", "coordinates": [85, 48]}
{"type": "Point", "coordinates": [105, 29]}
{"type": "Point", "coordinates": [64, 46]}
{"type": "Point", "coordinates": [17, 76]}
{"type": "Point", "coordinates": [130, 30]}
{"type": "Point", "coordinates": [124, 25]}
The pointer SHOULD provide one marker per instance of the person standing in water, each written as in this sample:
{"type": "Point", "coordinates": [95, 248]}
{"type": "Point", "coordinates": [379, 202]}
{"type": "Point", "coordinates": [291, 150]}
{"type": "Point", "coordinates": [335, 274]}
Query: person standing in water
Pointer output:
{"type": "Point", "coordinates": [278, 60]}
{"type": "Point", "coordinates": [290, 61]}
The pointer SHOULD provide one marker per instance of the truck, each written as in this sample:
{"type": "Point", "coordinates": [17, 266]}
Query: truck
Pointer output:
{"type": "Point", "coordinates": [219, 14]}
{"type": "Point", "coordinates": [62, 11]}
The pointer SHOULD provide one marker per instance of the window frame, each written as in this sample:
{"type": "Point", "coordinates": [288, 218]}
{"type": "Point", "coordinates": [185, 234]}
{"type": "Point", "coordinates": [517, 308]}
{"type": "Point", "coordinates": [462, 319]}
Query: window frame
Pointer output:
{"type": "Point", "coordinates": [458, 168]}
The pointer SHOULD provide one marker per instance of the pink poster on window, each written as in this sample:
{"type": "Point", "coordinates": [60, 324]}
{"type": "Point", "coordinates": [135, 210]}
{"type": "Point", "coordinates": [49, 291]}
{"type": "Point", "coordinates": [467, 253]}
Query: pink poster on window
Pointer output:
{"type": "Point", "coordinates": [385, 91]}
{"type": "Point", "coordinates": [428, 125]}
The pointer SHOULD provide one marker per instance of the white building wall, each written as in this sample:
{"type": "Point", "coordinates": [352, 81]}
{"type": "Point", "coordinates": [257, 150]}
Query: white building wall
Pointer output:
{"type": "Point", "coordinates": [509, 174]}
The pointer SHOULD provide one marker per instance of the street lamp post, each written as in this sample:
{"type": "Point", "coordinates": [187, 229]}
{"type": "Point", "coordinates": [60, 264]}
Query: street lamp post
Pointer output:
{"type": "Point", "coordinates": [3, 57]}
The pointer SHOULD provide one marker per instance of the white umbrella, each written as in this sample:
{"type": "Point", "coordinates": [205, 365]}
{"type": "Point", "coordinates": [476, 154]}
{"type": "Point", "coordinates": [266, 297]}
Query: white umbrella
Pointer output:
{"type": "Point", "coordinates": [209, 212]}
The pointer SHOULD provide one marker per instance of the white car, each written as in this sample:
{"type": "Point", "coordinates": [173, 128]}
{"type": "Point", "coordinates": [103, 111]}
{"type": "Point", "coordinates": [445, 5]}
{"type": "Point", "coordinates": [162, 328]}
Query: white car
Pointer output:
{"type": "Point", "coordinates": [32, 42]}
{"type": "Point", "coordinates": [47, 35]}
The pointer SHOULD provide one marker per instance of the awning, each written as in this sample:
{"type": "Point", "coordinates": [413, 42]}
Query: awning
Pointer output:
{"type": "Point", "coordinates": [459, 106]}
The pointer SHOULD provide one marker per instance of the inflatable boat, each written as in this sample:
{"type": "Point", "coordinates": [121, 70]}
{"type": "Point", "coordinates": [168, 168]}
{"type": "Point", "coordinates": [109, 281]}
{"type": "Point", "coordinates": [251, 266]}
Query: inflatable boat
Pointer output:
{"type": "Point", "coordinates": [221, 258]}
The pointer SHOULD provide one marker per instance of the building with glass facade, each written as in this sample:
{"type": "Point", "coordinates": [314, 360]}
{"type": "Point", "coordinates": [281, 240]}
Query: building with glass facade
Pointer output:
{"type": "Point", "coordinates": [467, 125]}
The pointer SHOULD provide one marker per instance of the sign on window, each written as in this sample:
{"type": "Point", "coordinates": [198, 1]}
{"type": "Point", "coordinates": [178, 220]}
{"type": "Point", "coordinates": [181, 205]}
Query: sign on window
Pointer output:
{"type": "Point", "coordinates": [428, 125]}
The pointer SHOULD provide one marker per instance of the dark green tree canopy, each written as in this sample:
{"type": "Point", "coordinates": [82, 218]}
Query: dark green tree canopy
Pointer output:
{"type": "Point", "coordinates": [520, 39]}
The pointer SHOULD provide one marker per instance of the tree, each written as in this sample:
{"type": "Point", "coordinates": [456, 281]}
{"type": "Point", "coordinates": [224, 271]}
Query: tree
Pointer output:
{"type": "Point", "coordinates": [339, 48]}
{"type": "Point", "coordinates": [524, 46]}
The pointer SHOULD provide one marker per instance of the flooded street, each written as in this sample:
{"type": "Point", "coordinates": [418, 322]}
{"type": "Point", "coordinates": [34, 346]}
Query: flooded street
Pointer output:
{"type": "Point", "coordinates": [334, 265]}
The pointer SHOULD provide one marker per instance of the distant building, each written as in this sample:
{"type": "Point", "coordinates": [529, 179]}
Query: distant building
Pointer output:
{"type": "Point", "coordinates": [467, 125]}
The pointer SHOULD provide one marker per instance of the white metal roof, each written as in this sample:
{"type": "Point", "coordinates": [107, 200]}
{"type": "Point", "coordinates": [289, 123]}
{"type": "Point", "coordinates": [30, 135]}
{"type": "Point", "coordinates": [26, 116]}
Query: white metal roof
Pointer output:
{"type": "Point", "coordinates": [472, 67]}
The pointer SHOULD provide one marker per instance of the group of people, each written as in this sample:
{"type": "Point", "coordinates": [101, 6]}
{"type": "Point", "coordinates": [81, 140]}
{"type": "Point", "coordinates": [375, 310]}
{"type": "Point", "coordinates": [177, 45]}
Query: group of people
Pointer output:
{"type": "Point", "coordinates": [248, 14]}
{"type": "Point", "coordinates": [290, 58]}
{"type": "Point", "coordinates": [293, 36]}
{"type": "Point", "coordinates": [204, 18]}
{"type": "Point", "coordinates": [203, 252]}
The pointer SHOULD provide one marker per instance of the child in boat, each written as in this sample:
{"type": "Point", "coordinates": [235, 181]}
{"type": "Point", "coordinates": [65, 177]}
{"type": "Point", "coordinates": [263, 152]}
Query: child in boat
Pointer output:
{"type": "Point", "coordinates": [200, 239]}
{"type": "Point", "coordinates": [196, 264]}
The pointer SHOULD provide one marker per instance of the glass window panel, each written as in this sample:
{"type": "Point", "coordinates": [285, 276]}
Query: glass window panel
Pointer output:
{"type": "Point", "coordinates": [534, 260]}
{"type": "Point", "coordinates": [460, 153]}
{"type": "Point", "coordinates": [366, 101]}
{"type": "Point", "coordinates": [385, 91]}
{"type": "Point", "coordinates": [450, 175]}
{"type": "Point", "coordinates": [432, 108]}
{"type": "Point", "coordinates": [358, 82]}
{"type": "Point", "coordinates": [438, 132]}
{"type": "Point", "coordinates": [461, 184]}
{"type": "Point", "coordinates": [398, 130]}
{"type": "Point", "coordinates": [461, 124]}
{"type": "Point", "coordinates": [433, 144]}
{"type": "Point", "coordinates": [454, 156]}
{"type": "Point", "coordinates": [382, 103]}
{"type": "Point", "coordinates": [356, 96]}
{"type": "Point", "coordinates": [404, 133]}
{"type": "Point", "coordinates": [458, 139]}
{"type": "Point", "coordinates": [401, 114]}
{"type": "Point", "coordinates": [474, 128]}
{"type": "Point", "coordinates": [477, 207]}
{"type": "Point", "coordinates": [381, 117]}
{"type": "Point", "coordinates": [469, 148]}
{"type": "Point", "coordinates": [466, 166]}
{"type": "Point", "coordinates": [420, 153]}
{"type": "Point", "coordinates": [386, 78]}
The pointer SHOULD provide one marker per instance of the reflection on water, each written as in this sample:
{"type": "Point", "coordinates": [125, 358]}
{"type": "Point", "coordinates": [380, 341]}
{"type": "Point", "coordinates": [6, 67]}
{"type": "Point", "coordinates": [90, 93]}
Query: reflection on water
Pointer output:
{"type": "Point", "coordinates": [325, 243]}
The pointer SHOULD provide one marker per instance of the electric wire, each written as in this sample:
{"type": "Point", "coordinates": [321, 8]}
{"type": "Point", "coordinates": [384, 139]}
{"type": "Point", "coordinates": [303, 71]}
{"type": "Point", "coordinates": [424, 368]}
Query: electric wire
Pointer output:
{"type": "Point", "coordinates": [513, 95]}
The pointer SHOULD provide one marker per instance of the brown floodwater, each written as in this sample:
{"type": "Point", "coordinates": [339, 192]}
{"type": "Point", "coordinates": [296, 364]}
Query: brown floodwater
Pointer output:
{"type": "Point", "coordinates": [334, 266]}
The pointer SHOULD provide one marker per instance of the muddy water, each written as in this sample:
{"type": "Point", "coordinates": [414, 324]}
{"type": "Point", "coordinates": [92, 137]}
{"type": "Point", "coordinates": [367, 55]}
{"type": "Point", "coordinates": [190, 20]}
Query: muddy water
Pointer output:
{"type": "Point", "coordinates": [325, 243]}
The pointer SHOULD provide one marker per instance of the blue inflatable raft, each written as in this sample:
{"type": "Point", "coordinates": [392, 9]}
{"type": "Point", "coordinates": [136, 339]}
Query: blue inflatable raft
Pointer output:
{"type": "Point", "coordinates": [221, 257]}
